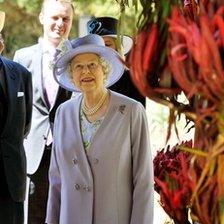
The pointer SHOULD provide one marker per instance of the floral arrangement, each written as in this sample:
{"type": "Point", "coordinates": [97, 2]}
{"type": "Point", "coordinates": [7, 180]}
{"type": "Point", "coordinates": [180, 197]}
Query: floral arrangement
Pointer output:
{"type": "Point", "coordinates": [180, 48]}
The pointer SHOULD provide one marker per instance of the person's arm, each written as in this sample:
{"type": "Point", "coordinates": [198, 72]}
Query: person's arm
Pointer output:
{"type": "Point", "coordinates": [142, 207]}
{"type": "Point", "coordinates": [54, 194]}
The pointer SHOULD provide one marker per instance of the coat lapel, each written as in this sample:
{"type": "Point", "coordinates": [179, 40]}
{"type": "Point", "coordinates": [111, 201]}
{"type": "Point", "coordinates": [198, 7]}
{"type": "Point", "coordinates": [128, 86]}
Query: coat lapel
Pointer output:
{"type": "Point", "coordinates": [112, 108]}
{"type": "Point", "coordinates": [37, 73]}
{"type": "Point", "coordinates": [85, 169]}
{"type": "Point", "coordinates": [2, 80]}
{"type": "Point", "coordinates": [61, 96]}
{"type": "Point", "coordinates": [12, 87]}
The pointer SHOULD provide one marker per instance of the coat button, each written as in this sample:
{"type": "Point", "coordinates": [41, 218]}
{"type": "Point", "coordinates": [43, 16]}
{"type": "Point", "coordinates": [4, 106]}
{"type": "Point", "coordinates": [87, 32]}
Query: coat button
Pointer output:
{"type": "Point", "coordinates": [77, 187]}
{"type": "Point", "coordinates": [95, 160]}
{"type": "Point", "coordinates": [75, 161]}
{"type": "Point", "coordinates": [86, 188]}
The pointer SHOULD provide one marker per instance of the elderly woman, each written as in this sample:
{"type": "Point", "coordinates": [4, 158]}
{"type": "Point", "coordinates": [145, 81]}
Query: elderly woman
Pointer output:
{"type": "Point", "coordinates": [101, 168]}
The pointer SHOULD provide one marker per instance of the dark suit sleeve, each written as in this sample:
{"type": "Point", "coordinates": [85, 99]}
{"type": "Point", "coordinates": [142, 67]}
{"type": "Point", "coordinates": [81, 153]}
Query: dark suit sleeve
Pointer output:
{"type": "Point", "coordinates": [29, 101]}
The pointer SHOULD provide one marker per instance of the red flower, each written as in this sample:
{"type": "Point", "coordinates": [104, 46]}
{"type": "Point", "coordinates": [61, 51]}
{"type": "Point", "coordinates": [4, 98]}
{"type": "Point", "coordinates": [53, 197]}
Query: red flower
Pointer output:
{"type": "Point", "coordinates": [173, 182]}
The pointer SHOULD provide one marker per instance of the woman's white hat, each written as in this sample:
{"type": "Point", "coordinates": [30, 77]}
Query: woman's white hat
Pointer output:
{"type": "Point", "coordinates": [88, 44]}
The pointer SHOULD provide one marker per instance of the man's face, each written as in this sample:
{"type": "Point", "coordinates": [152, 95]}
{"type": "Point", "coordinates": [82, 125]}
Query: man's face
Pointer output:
{"type": "Point", "coordinates": [56, 18]}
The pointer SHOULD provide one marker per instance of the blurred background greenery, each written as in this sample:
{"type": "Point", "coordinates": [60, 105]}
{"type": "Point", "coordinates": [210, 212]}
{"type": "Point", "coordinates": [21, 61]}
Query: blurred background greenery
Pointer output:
{"type": "Point", "coordinates": [22, 27]}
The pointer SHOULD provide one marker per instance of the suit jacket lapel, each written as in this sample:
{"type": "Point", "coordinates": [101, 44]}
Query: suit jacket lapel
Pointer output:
{"type": "Point", "coordinates": [12, 86]}
{"type": "Point", "coordinates": [37, 73]}
{"type": "Point", "coordinates": [2, 80]}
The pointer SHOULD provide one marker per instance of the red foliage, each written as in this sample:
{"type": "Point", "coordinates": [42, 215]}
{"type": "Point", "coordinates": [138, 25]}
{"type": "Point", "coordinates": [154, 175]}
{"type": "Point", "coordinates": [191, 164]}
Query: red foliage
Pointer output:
{"type": "Point", "coordinates": [173, 182]}
{"type": "Point", "coordinates": [182, 49]}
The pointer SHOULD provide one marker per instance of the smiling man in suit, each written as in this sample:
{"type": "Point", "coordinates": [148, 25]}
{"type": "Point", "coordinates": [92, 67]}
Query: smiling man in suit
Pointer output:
{"type": "Point", "coordinates": [56, 18]}
{"type": "Point", "coordinates": [15, 120]}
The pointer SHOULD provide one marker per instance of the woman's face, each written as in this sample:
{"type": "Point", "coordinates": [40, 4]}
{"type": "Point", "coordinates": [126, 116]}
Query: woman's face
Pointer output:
{"type": "Point", "coordinates": [87, 72]}
{"type": "Point", "coordinates": [110, 42]}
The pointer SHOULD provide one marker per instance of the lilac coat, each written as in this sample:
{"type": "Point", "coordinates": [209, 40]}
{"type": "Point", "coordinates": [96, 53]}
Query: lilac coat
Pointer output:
{"type": "Point", "coordinates": [113, 182]}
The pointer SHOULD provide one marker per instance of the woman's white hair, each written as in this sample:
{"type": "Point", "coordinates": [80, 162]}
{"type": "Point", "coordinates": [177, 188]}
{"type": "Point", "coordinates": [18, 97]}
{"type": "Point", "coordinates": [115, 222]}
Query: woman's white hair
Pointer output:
{"type": "Point", "coordinates": [106, 66]}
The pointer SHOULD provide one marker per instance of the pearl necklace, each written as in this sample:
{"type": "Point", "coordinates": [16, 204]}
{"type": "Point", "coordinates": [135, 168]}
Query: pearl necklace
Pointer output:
{"type": "Point", "coordinates": [90, 111]}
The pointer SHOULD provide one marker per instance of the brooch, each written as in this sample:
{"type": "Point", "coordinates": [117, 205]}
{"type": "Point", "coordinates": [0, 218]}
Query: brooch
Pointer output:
{"type": "Point", "coordinates": [122, 108]}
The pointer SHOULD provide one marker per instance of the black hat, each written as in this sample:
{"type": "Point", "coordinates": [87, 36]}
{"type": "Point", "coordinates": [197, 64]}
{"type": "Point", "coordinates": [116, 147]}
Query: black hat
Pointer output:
{"type": "Point", "coordinates": [107, 26]}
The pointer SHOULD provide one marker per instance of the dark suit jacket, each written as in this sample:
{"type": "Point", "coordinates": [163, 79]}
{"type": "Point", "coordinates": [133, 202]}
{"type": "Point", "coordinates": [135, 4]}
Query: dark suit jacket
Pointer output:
{"type": "Point", "coordinates": [17, 125]}
{"type": "Point", "coordinates": [126, 87]}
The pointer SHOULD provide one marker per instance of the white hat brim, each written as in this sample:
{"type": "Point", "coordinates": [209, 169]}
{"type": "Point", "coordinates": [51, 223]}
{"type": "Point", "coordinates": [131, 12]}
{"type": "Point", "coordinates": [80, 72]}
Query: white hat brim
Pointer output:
{"type": "Point", "coordinates": [127, 42]}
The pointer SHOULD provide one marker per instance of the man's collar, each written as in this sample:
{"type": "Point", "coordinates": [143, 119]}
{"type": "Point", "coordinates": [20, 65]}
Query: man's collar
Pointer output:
{"type": "Point", "coordinates": [47, 48]}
